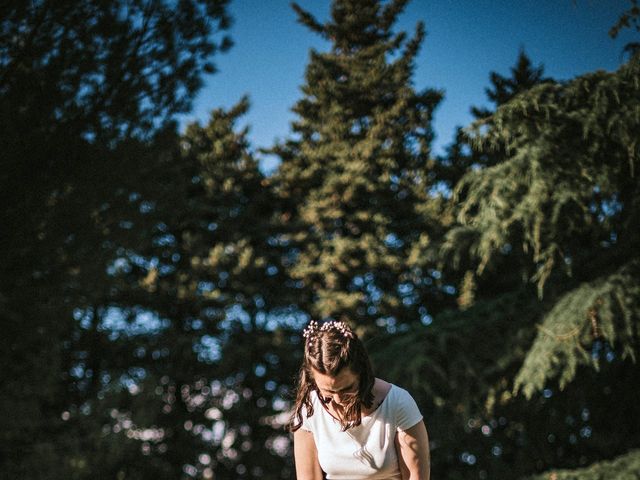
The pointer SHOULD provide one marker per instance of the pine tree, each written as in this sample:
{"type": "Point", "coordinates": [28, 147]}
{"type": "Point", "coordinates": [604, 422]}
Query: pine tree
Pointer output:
{"type": "Point", "coordinates": [566, 193]}
{"type": "Point", "coordinates": [230, 273]}
{"type": "Point", "coordinates": [354, 180]}
{"type": "Point", "coordinates": [628, 19]}
{"type": "Point", "coordinates": [463, 156]}
{"type": "Point", "coordinates": [202, 372]}
{"type": "Point", "coordinates": [85, 88]}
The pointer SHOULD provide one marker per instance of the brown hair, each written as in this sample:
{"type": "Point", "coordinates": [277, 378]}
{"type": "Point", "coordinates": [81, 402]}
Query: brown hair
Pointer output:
{"type": "Point", "coordinates": [328, 349]}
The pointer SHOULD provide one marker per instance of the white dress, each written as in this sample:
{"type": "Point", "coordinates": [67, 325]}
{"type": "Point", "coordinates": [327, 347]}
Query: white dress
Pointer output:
{"type": "Point", "coordinates": [368, 450]}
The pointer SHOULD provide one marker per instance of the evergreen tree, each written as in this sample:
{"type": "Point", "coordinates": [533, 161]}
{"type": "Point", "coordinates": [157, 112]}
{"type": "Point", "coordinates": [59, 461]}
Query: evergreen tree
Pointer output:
{"type": "Point", "coordinates": [197, 371]}
{"type": "Point", "coordinates": [226, 286]}
{"type": "Point", "coordinates": [524, 76]}
{"type": "Point", "coordinates": [85, 88]}
{"type": "Point", "coordinates": [567, 193]}
{"type": "Point", "coordinates": [628, 19]}
{"type": "Point", "coordinates": [464, 156]}
{"type": "Point", "coordinates": [354, 180]}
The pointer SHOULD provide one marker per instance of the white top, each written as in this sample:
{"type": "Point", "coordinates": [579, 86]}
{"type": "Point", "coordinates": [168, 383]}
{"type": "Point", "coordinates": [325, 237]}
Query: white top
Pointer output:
{"type": "Point", "coordinates": [368, 450]}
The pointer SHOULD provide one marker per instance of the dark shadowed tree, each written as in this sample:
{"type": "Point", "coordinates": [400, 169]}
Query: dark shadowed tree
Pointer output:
{"type": "Point", "coordinates": [203, 368]}
{"type": "Point", "coordinates": [463, 154]}
{"type": "Point", "coordinates": [85, 88]}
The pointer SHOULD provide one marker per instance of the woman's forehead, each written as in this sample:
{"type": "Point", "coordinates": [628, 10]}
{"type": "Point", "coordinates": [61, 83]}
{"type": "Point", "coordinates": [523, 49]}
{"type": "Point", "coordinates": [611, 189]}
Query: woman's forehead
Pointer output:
{"type": "Point", "coordinates": [344, 378]}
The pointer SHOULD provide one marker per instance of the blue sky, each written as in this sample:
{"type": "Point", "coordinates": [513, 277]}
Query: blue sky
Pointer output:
{"type": "Point", "coordinates": [466, 40]}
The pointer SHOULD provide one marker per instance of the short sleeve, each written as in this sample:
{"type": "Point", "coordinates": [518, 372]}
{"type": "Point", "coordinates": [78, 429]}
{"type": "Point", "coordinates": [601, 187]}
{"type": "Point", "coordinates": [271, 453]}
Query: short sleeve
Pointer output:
{"type": "Point", "coordinates": [306, 424]}
{"type": "Point", "coordinates": [406, 410]}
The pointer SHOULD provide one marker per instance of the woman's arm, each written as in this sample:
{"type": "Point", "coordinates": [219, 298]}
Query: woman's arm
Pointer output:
{"type": "Point", "coordinates": [412, 446]}
{"type": "Point", "coordinates": [306, 456]}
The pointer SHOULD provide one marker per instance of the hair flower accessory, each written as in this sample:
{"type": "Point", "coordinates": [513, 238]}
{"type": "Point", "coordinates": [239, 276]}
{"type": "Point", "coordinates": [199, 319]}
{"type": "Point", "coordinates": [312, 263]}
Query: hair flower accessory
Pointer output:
{"type": "Point", "coordinates": [311, 329]}
{"type": "Point", "coordinates": [314, 328]}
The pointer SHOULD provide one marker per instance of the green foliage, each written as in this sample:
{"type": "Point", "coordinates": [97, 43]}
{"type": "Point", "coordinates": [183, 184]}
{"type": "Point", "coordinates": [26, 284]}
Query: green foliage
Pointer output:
{"type": "Point", "coordinates": [459, 371]}
{"type": "Point", "coordinates": [463, 154]}
{"type": "Point", "coordinates": [200, 374]}
{"type": "Point", "coordinates": [545, 191]}
{"type": "Point", "coordinates": [629, 19]}
{"type": "Point", "coordinates": [108, 70]}
{"type": "Point", "coordinates": [524, 76]}
{"type": "Point", "coordinates": [462, 361]}
{"type": "Point", "coordinates": [354, 180]}
{"type": "Point", "coordinates": [88, 91]}
{"type": "Point", "coordinates": [603, 310]}
{"type": "Point", "coordinates": [568, 193]}
{"type": "Point", "coordinates": [570, 181]}
{"type": "Point", "coordinates": [457, 255]}
{"type": "Point", "coordinates": [624, 467]}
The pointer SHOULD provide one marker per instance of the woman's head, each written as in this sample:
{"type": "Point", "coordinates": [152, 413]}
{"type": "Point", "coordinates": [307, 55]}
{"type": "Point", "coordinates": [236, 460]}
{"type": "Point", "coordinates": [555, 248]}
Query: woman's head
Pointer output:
{"type": "Point", "coordinates": [336, 366]}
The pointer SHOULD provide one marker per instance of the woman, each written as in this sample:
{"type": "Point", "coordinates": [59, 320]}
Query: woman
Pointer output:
{"type": "Point", "coordinates": [348, 424]}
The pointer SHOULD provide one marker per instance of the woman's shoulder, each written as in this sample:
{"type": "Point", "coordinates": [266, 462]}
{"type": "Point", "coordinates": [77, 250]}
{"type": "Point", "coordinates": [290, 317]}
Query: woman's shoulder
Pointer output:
{"type": "Point", "coordinates": [400, 394]}
{"type": "Point", "coordinates": [381, 388]}
{"type": "Point", "coordinates": [395, 395]}
{"type": "Point", "coordinates": [406, 411]}
{"type": "Point", "coordinates": [391, 386]}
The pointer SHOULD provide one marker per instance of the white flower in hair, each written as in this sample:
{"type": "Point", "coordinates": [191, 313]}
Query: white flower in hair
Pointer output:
{"type": "Point", "coordinates": [311, 329]}
{"type": "Point", "coordinates": [341, 327]}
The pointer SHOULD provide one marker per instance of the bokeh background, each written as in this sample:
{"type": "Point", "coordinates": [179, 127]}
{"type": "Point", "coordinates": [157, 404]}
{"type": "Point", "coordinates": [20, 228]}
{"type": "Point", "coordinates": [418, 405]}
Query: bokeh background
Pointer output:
{"type": "Point", "coordinates": [187, 183]}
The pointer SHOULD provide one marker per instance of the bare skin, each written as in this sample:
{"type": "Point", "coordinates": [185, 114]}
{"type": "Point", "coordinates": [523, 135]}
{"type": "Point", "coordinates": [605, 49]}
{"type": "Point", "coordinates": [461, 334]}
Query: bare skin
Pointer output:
{"type": "Point", "coordinates": [412, 444]}
{"type": "Point", "coordinates": [306, 456]}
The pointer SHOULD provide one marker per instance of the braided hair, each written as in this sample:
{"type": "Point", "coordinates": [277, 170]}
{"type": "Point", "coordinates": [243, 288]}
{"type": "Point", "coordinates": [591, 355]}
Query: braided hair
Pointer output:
{"type": "Point", "coordinates": [329, 348]}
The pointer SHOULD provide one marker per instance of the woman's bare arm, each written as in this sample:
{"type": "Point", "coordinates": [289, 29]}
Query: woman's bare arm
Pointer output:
{"type": "Point", "coordinates": [412, 446]}
{"type": "Point", "coordinates": [306, 456]}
